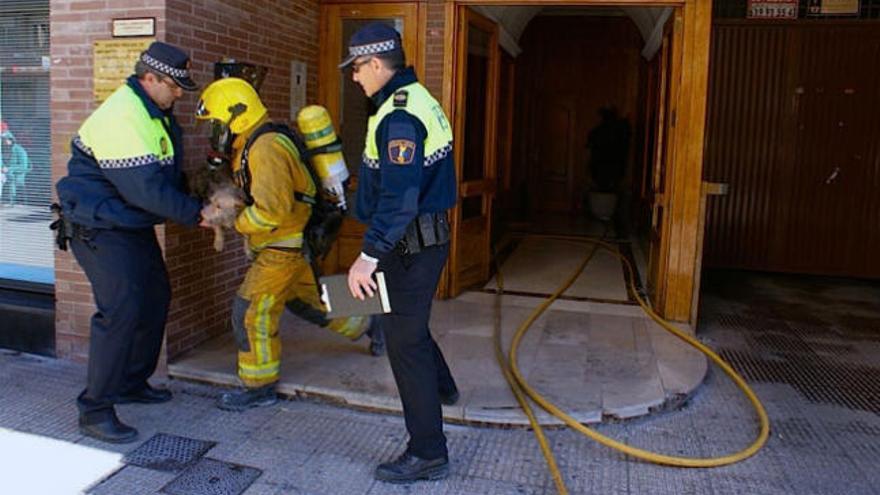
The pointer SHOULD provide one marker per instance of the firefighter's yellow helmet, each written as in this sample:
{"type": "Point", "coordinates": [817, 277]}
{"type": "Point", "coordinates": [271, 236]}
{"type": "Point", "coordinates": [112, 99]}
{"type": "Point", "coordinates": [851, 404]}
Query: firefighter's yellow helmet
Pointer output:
{"type": "Point", "coordinates": [232, 102]}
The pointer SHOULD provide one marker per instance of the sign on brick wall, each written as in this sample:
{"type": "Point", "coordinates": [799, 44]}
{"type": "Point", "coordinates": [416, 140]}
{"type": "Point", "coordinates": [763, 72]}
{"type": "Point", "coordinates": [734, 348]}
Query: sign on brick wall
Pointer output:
{"type": "Point", "coordinates": [772, 9]}
{"type": "Point", "coordinates": [833, 7]}
{"type": "Point", "coordinates": [113, 61]}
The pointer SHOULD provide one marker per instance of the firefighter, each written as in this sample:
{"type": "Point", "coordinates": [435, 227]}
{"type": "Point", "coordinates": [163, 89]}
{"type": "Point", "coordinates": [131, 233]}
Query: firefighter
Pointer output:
{"type": "Point", "coordinates": [267, 165]}
{"type": "Point", "coordinates": [407, 182]}
{"type": "Point", "coordinates": [124, 177]}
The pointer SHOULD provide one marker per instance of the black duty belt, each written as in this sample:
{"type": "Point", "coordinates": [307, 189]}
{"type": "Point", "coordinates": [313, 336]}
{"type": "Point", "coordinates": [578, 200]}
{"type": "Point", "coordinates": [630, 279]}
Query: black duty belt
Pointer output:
{"type": "Point", "coordinates": [65, 230]}
{"type": "Point", "coordinates": [428, 229]}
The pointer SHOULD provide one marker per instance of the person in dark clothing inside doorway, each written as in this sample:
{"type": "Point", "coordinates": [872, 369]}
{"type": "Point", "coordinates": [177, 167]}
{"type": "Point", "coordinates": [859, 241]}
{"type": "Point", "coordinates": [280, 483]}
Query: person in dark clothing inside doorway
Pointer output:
{"type": "Point", "coordinates": [608, 144]}
{"type": "Point", "coordinates": [406, 184]}
{"type": "Point", "coordinates": [123, 178]}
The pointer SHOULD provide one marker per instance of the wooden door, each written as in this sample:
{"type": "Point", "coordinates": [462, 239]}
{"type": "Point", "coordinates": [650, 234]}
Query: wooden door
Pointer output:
{"type": "Point", "coordinates": [476, 89]}
{"type": "Point", "coordinates": [504, 141]}
{"type": "Point", "coordinates": [346, 102]}
{"type": "Point", "coordinates": [793, 129]}
{"type": "Point", "coordinates": [830, 183]}
{"type": "Point", "coordinates": [664, 151]}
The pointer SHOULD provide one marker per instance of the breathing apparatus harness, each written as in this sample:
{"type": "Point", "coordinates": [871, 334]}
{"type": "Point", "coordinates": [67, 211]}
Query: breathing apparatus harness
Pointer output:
{"type": "Point", "coordinates": [326, 217]}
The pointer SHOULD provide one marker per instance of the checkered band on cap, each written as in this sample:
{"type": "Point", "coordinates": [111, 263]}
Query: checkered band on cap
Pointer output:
{"type": "Point", "coordinates": [163, 67]}
{"type": "Point", "coordinates": [372, 48]}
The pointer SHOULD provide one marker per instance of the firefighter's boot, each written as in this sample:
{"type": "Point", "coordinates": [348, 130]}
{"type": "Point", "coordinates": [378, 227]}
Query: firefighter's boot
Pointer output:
{"type": "Point", "coordinates": [247, 398]}
{"type": "Point", "coordinates": [352, 327]}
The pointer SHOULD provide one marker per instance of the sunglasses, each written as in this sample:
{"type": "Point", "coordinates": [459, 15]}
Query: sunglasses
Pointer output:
{"type": "Point", "coordinates": [169, 82]}
{"type": "Point", "coordinates": [356, 66]}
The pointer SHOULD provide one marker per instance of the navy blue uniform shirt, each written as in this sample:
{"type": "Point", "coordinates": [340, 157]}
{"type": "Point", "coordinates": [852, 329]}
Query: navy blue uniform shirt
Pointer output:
{"type": "Point", "coordinates": [391, 195]}
{"type": "Point", "coordinates": [128, 197]}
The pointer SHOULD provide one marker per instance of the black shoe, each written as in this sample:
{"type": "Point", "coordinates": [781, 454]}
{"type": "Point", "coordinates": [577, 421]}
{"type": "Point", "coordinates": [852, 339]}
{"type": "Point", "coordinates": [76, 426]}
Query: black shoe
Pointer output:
{"type": "Point", "coordinates": [146, 395]}
{"type": "Point", "coordinates": [241, 400]}
{"type": "Point", "coordinates": [449, 399]}
{"type": "Point", "coordinates": [408, 468]}
{"type": "Point", "coordinates": [107, 428]}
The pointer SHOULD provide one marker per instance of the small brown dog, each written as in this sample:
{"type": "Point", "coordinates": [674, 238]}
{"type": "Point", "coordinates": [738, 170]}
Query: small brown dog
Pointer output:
{"type": "Point", "coordinates": [216, 188]}
{"type": "Point", "coordinates": [227, 201]}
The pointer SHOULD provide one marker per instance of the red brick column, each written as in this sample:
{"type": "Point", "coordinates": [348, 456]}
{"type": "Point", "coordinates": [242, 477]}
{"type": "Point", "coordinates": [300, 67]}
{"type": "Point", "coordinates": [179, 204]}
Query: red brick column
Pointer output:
{"type": "Point", "coordinates": [434, 49]}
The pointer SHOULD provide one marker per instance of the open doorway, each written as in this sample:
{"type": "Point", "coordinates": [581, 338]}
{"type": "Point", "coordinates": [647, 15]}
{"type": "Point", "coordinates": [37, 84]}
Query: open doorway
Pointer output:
{"type": "Point", "coordinates": [563, 117]}
{"type": "Point", "coordinates": [483, 90]}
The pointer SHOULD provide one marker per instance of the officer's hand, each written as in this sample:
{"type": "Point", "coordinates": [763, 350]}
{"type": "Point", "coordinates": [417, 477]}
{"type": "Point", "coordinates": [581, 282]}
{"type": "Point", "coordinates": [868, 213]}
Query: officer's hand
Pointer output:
{"type": "Point", "coordinates": [360, 278]}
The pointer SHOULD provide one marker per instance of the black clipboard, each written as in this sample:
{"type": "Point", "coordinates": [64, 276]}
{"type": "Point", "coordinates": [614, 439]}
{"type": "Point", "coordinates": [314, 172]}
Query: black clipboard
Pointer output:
{"type": "Point", "coordinates": [340, 303]}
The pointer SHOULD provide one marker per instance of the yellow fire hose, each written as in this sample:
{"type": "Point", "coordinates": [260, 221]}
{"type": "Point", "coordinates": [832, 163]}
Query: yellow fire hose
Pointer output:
{"type": "Point", "coordinates": [521, 387]}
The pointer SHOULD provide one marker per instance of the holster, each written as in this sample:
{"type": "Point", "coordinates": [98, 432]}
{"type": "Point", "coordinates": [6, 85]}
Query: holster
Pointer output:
{"type": "Point", "coordinates": [428, 229]}
{"type": "Point", "coordinates": [65, 230]}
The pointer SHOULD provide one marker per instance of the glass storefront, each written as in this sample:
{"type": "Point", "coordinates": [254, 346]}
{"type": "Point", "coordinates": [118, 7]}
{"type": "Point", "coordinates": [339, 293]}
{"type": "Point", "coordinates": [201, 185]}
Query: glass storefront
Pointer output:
{"type": "Point", "coordinates": [26, 249]}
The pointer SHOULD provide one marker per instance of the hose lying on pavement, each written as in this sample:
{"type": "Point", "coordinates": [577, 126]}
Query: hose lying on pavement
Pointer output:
{"type": "Point", "coordinates": [521, 387]}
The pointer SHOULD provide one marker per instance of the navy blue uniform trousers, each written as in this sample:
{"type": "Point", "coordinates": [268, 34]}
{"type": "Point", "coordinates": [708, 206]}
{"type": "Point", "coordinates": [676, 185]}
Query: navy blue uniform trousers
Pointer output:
{"type": "Point", "coordinates": [418, 366]}
{"type": "Point", "coordinates": [132, 293]}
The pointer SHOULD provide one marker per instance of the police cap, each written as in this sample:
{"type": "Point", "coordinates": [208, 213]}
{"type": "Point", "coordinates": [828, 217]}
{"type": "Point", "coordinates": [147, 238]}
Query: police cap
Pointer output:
{"type": "Point", "coordinates": [372, 39]}
{"type": "Point", "coordinates": [170, 61]}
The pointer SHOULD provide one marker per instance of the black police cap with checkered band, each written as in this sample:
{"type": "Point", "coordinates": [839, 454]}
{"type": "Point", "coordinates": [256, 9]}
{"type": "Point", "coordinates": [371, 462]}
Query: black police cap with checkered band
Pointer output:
{"type": "Point", "coordinates": [170, 61]}
{"type": "Point", "coordinates": [372, 39]}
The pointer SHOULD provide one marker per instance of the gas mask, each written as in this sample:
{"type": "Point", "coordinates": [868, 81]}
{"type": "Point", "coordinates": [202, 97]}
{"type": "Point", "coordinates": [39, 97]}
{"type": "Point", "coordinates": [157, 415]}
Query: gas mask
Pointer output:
{"type": "Point", "coordinates": [221, 145]}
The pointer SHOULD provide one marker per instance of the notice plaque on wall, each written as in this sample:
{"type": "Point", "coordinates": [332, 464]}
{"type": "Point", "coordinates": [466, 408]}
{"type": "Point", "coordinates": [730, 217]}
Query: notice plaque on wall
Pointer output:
{"type": "Point", "coordinates": [145, 26]}
{"type": "Point", "coordinates": [113, 61]}
{"type": "Point", "coordinates": [833, 7]}
{"type": "Point", "coordinates": [772, 9]}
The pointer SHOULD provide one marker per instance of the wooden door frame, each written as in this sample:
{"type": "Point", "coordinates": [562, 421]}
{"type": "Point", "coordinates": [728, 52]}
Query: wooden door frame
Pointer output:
{"type": "Point", "coordinates": [681, 229]}
{"type": "Point", "coordinates": [508, 105]}
{"type": "Point", "coordinates": [486, 186]}
{"type": "Point", "coordinates": [664, 154]}
{"type": "Point", "coordinates": [329, 39]}
{"type": "Point", "coordinates": [328, 35]}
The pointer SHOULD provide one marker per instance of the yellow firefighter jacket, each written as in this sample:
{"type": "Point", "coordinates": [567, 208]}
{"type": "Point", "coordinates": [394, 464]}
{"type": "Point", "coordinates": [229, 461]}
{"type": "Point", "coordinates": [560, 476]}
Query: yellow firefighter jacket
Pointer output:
{"type": "Point", "coordinates": [276, 218]}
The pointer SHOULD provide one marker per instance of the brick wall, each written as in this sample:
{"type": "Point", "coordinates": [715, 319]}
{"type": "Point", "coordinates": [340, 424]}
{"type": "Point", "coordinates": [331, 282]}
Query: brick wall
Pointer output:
{"type": "Point", "coordinates": [434, 32]}
{"type": "Point", "coordinates": [75, 25]}
{"type": "Point", "coordinates": [267, 32]}
{"type": "Point", "coordinates": [271, 33]}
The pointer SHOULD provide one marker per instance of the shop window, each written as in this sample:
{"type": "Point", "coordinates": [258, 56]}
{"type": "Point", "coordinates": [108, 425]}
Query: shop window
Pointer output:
{"type": "Point", "coordinates": [26, 249]}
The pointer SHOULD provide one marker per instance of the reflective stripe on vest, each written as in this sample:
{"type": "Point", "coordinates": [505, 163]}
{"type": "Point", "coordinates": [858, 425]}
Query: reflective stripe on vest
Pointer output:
{"type": "Point", "coordinates": [421, 105]}
{"type": "Point", "coordinates": [121, 133]}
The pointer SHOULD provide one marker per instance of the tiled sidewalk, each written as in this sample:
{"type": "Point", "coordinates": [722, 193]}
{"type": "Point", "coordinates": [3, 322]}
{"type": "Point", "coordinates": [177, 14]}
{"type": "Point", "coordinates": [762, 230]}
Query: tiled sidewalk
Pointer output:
{"type": "Point", "coordinates": [820, 443]}
{"type": "Point", "coordinates": [594, 360]}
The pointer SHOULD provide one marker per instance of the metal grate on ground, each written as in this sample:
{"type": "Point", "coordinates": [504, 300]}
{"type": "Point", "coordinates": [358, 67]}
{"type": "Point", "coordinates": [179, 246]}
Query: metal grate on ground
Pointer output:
{"type": "Point", "coordinates": [213, 477]}
{"type": "Point", "coordinates": [816, 353]}
{"type": "Point", "coordinates": [165, 452]}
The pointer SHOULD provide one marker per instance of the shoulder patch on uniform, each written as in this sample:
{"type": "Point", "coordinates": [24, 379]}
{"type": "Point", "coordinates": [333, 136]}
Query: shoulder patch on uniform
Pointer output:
{"type": "Point", "coordinates": [400, 98]}
{"type": "Point", "coordinates": [401, 151]}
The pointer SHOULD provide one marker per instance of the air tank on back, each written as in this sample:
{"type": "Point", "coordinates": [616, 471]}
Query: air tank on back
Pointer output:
{"type": "Point", "coordinates": [317, 131]}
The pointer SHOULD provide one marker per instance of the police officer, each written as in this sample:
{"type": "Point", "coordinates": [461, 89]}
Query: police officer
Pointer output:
{"type": "Point", "coordinates": [406, 184]}
{"type": "Point", "coordinates": [124, 177]}
{"type": "Point", "coordinates": [267, 165]}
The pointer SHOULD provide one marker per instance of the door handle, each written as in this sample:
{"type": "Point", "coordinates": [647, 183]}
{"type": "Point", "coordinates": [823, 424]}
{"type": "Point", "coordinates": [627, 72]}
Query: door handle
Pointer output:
{"type": "Point", "coordinates": [715, 188]}
{"type": "Point", "coordinates": [831, 178]}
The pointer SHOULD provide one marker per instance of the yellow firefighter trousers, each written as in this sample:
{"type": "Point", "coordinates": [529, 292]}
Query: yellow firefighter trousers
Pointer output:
{"type": "Point", "coordinates": [276, 277]}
